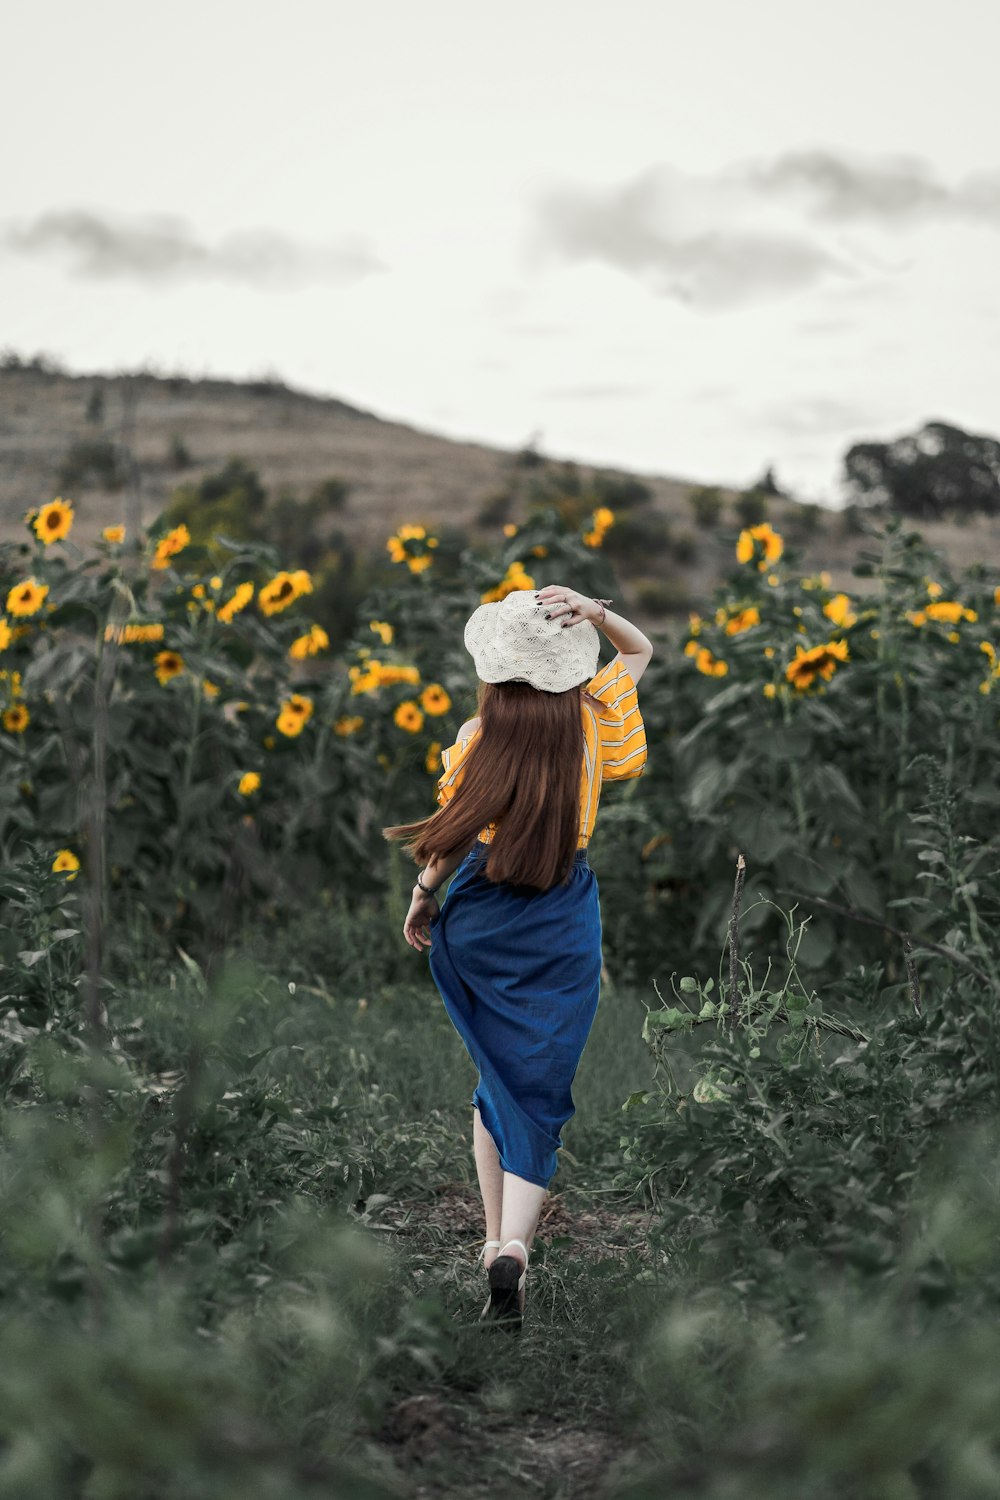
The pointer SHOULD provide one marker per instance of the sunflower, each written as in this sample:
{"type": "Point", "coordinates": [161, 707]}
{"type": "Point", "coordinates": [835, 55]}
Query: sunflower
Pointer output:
{"type": "Point", "coordinates": [26, 598]}
{"type": "Point", "coordinates": [127, 635]}
{"type": "Point", "coordinates": [168, 546]}
{"type": "Point", "coordinates": [298, 704]}
{"type": "Point", "coordinates": [409, 716]}
{"type": "Point", "coordinates": [772, 544]}
{"type": "Point", "coordinates": [711, 665]}
{"type": "Point", "coordinates": [296, 711]}
{"type": "Point", "coordinates": [54, 521]}
{"type": "Point", "coordinates": [210, 689]}
{"type": "Point", "coordinates": [5, 635]}
{"type": "Point", "coordinates": [249, 782]}
{"type": "Point", "coordinates": [278, 594]}
{"type": "Point", "coordinates": [400, 553]}
{"type": "Point", "coordinates": [363, 679]}
{"type": "Point", "coordinates": [374, 674]}
{"type": "Point", "coordinates": [949, 610]}
{"type": "Point", "coordinates": [817, 661]}
{"type": "Point", "coordinates": [315, 639]}
{"type": "Point", "coordinates": [348, 724]}
{"type": "Point", "coordinates": [603, 519]}
{"type": "Point", "coordinates": [432, 761]}
{"type": "Point", "coordinates": [515, 578]}
{"type": "Point", "coordinates": [742, 620]}
{"type": "Point", "coordinates": [239, 600]}
{"type": "Point", "coordinates": [114, 534]}
{"type": "Point", "coordinates": [770, 691]}
{"type": "Point", "coordinates": [434, 700]}
{"type": "Point", "coordinates": [16, 718]}
{"type": "Point", "coordinates": [394, 672]}
{"type": "Point", "coordinates": [383, 630]}
{"type": "Point", "coordinates": [510, 529]}
{"type": "Point", "coordinates": [838, 609]}
{"type": "Point", "coordinates": [168, 664]}
{"type": "Point", "coordinates": [66, 862]}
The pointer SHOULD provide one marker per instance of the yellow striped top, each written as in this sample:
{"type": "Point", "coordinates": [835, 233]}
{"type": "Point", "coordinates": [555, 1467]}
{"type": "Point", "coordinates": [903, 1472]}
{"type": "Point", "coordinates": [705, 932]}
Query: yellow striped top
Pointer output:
{"type": "Point", "coordinates": [614, 746]}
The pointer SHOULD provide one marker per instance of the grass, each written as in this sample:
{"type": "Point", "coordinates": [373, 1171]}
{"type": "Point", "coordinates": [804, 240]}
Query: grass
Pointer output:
{"type": "Point", "coordinates": [376, 1092]}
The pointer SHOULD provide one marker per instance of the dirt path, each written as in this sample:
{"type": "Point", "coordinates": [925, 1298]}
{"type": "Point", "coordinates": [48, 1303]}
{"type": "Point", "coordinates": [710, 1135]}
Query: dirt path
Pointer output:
{"type": "Point", "coordinates": [538, 1417]}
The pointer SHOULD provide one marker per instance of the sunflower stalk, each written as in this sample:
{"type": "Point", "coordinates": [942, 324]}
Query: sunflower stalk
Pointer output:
{"type": "Point", "coordinates": [187, 775]}
{"type": "Point", "coordinates": [797, 797]}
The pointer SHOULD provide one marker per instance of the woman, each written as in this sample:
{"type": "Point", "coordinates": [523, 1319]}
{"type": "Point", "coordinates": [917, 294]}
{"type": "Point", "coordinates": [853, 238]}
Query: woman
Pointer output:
{"type": "Point", "coordinates": [515, 949]}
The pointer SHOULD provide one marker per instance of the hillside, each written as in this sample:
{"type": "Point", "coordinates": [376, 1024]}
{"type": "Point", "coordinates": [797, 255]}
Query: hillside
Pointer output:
{"type": "Point", "coordinates": [396, 473]}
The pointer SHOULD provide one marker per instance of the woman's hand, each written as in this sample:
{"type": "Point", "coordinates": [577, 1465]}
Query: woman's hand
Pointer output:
{"type": "Point", "coordinates": [573, 607]}
{"type": "Point", "coordinates": [415, 929]}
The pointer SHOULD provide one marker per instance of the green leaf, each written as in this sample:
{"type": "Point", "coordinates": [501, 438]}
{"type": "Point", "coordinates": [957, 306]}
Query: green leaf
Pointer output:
{"type": "Point", "coordinates": [636, 1099]}
{"type": "Point", "coordinates": [194, 969]}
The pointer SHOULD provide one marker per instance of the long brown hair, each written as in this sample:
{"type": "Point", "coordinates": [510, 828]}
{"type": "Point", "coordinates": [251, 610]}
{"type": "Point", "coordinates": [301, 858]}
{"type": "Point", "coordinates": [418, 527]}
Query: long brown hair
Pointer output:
{"type": "Point", "coordinates": [523, 772]}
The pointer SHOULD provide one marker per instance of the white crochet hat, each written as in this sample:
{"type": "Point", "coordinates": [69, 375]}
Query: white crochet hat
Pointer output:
{"type": "Point", "coordinates": [512, 641]}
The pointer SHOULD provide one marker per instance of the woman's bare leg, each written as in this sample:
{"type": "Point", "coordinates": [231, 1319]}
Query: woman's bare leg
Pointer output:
{"type": "Point", "coordinates": [522, 1205]}
{"type": "Point", "coordinates": [491, 1179]}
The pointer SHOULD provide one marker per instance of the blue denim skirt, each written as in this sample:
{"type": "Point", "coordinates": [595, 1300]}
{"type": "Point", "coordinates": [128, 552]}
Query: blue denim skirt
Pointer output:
{"type": "Point", "coordinates": [519, 971]}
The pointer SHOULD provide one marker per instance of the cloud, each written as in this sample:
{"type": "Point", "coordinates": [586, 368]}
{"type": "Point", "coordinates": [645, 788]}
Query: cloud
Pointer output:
{"type": "Point", "coordinates": [817, 414]}
{"type": "Point", "coordinates": [162, 248]}
{"type": "Point", "coordinates": [756, 230]}
{"type": "Point", "coordinates": [684, 238]}
{"type": "Point", "coordinates": [895, 190]}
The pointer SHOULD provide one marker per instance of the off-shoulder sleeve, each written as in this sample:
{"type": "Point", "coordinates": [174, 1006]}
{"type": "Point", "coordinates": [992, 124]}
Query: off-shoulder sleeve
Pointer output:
{"type": "Point", "coordinates": [621, 731]}
{"type": "Point", "coordinates": [453, 761]}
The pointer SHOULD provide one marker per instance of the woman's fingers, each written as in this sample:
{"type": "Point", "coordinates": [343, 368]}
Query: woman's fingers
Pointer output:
{"type": "Point", "coordinates": [417, 937]}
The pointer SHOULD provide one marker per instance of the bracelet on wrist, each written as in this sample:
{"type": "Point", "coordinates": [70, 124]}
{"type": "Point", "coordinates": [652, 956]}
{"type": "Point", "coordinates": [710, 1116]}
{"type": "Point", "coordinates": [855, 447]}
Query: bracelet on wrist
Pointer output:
{"type": "Point", "coordinates": [427, 890]}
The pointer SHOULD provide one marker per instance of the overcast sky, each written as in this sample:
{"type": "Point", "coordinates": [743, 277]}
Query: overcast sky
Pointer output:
{"type": "Point", "coordinates": [683, 239]}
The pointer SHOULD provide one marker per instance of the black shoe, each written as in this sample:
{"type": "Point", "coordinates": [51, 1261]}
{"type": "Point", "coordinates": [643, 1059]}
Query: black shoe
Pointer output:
{"type": "Point", "coordinates": [506, 1281]}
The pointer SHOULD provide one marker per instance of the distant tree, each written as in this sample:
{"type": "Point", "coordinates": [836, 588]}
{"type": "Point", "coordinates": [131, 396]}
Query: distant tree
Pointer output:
{"type": "Point", "coordinates": [329, 494]}
{"type": "Point", "coordinates": [685, 547]}
{"type": "Point", "coordinates": [95, 406]}
{"type": "Point", "coordinates": [768, 485]}
{"type": "Point", "coordinates": [236, 479]}
{"type": "Point", "coordinates": [620, 491]}
{"type": "Point", "coordinates": [529, 457]}
{"type": "Point", "coordinates": [662, 596]}
{"type": "Point", "coordinates": [935, 472]}
{"type": "Point", "coordinates": [706, 502]}
{"type": "Point", "coordinates": [751, 507]}
{"type": "Point", "coordinates": [178, 453]}
{"type": "Point", "coordinates": [637, 536]}
{"type": "Point", "coordinates": [91, 462]}
{"type": "Point", "coordinates": [851, 523]}
{"type": "Point", "coordinates": [496, 508]}
{"type": "Point", "coordinates": [805, 518]}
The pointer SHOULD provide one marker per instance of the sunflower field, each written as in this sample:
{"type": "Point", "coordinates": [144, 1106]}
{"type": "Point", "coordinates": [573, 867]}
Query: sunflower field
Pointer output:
{"type": "Point", "coordinates": [245, 758]}
{"type": "Point", "coordinates": [238, 1213]}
